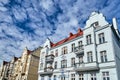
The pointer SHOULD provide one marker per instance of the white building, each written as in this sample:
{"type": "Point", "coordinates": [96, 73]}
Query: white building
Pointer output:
{"type": "Point", "coordinates": [91, 54]}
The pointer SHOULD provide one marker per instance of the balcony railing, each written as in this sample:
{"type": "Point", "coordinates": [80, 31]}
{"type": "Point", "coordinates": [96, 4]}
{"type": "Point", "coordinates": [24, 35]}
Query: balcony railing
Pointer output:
{"type": "Point", "coordinates": [79, 50]}
{"type": "Point", "coordinates": [47, 71]}
{"type": "Point", "coordinates": [50, 58]}
{"type": "Point", "coordinates": [86, 66]}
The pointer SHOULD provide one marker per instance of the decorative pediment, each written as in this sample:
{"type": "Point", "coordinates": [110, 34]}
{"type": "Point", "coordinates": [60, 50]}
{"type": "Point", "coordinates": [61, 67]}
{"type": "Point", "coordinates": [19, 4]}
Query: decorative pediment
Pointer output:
{"type": "Point", "coordinates": [96, 19]}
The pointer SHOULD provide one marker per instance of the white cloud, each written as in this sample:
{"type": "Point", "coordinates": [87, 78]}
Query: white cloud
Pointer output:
{"type": "Point", "coordinates": [64, 17]}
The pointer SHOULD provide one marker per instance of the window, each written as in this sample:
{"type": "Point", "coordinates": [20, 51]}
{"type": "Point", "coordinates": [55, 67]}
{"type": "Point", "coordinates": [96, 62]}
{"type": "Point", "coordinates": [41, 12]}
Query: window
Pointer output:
{"type": "Point", "coordinates": [49, 78]}
{"type": "Point", "coordinates": [81, 77]}
{"type": "Point", "coordinates": [41, 66]}
{"type": "Point", "coordinates": [55, 77]}
{"type": "Point", "coordinates": [80, 45]}
{"type": "Point", "coordinates": [105, 75]}
{"type": "Point", "coordinates": [89, 57]}
{"type": "Point", "coordinates": [101, 38]}
{"type": "Point", "coordinates": [72, 76]}
{"type": "Point", "coordinates": [103, 56]}
{"type": "Point", "coordinates": [73, 47]}
{"type": "Point", "coordinates": [81, 59]}
{"type": "Point", "coordinates": [64, 50]}
{"type": "Point", "coordinates": [93, 76]}
{"type": "Point", "coordinates": [55, 65]}
{"type": "Point", "coordinates": [56, 52]}
{"type": "Point", "coordinates": [42, 78]}
{"type": "Point", "coordinates": [88, 38]}
{"type": "Point", "coordinates": [63, 63]}
{"type": "Point", "coordinates": [72, 62]}
{"type": "Point", "coordinates": [63, 78]}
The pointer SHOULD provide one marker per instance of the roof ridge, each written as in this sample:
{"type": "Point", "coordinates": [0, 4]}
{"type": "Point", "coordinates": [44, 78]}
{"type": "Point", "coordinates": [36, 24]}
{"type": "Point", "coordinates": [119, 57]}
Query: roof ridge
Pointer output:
{"type": "Point", "coordinates": [71, 36]}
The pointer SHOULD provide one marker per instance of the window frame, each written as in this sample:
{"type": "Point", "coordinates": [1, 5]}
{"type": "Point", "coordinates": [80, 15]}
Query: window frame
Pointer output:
{"type": "Point", "coordinates": [64, 64]}
{"type": "Point", "coordinates": [90, 57]}
{"type": "Point", "coordinates": [89, 39]}
{"type": "Point", "coordinates": [73, 62]}
{"type": "Point", "coordinates": [93, 76]}
{"type": "Point", "coordinates": [55, 66]}
{"type": "Point", "coordinates": [103, 56]}
{"type": "Point", "coordinates": [81, 76]}
{"type": "Point", "coordinates": [106, 75]}
{"type": "Point", "coordinates": [72, 76]}
{"type": "Point", "coordinates": [101, 38]}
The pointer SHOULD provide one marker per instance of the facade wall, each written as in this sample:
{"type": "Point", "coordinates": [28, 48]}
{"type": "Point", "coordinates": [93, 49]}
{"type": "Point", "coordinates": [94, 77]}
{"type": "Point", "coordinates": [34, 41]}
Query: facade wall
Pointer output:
{"type": "Point", "coordinates": [100, 67]}
{"type": "Point", "coordinates": [33, 65]}
{"type": "Point", "coordinates": [116, 50]}
{"type": "Point", "coordinates": [23, 68]}
{"type": "Point", "coordinates": [5, 71]}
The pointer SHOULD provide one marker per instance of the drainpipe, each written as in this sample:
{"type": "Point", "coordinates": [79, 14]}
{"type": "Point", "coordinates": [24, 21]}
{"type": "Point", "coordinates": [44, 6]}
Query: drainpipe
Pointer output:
{"type": "Point", "coordinates": [95, 46]}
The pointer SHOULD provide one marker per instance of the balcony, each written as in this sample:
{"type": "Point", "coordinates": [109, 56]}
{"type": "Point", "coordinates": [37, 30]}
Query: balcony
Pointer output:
{"type": "Point", "coordinates": [86, 66]}
{"type": "Point", "coordinates": [50, 58]}
{"type": "Point", "coordinates": [47, 71]}
{"type": "Point", "coordinates": [79, 50]}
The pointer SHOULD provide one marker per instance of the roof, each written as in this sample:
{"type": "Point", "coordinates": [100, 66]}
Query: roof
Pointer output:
{"type": "Point", "coordinates": [15, 58]}
{"type": "Point", "coordinates": [71, 37]}
{"type": "Point", "coordinates": [5, 62]}
{"type": "Point", "coordinates": [28, 52]}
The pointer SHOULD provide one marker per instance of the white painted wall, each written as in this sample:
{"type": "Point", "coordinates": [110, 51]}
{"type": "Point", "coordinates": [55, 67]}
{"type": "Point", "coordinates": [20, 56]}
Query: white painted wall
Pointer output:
{"type": "Point", "coordinates": [110, 46]}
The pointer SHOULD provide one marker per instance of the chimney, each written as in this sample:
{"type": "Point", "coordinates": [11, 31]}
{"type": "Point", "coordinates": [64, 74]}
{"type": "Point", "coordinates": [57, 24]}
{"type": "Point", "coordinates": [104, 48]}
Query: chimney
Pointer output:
{"type": "Point", "coordinates": [71, 34]}
{"type": "Point", "coordinates": [79, 30]}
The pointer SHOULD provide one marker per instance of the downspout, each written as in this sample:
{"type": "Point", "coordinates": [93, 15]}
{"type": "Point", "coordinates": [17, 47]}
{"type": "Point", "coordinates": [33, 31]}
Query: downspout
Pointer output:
{"type": "Point", "coordinates": [95, 47]}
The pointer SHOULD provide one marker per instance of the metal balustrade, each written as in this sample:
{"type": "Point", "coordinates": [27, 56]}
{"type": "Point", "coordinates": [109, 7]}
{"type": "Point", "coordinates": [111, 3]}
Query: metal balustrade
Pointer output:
{"type": "Point", "coordinates": [86, 66]}
{"type": "Point", "coordinates": [47, 71]}
{"type": "Point", "coordinates": [49, 58]}
{"type": "Point", "coordinates": [79, 50]}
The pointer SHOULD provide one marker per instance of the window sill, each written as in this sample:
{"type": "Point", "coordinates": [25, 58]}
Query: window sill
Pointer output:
{"type": "Point", "coordinates": [102, 43]}
{"type": "Point", "coordinates": [88, 44]}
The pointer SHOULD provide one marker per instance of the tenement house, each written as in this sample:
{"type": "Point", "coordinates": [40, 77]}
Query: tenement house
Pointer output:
{"type": "Point", "coordinates": [90, 54]}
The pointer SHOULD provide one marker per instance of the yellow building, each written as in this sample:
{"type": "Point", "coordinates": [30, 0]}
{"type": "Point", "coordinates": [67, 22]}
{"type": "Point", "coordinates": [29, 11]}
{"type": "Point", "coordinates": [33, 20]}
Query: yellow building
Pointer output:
{"type": "Point", "coordinates": [23, 68]}
{"type": "Point", "coordinates": [4, 70]}
{"type": "Point", "coordinates": [13, 63]}
{"type": "Point", "coordinates": [26, 67]}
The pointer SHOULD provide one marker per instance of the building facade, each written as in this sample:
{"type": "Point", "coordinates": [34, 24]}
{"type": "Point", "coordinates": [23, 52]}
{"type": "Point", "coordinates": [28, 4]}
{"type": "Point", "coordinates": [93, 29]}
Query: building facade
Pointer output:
{"type": "Point", "coordinates": [22, 68]}
{"type": "Point", "coordinates": [4, 70]}
{"type": "Point", "coordinates": [27, 66]}
{"type": "Point", "coordinates": [13, 63]}
{"type": "Point", "coordinates": [90, 54]}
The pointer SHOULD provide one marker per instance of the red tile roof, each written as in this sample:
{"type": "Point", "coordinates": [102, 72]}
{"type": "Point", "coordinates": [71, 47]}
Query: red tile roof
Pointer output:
{"type": "Point", "coordinates": [71, 36]}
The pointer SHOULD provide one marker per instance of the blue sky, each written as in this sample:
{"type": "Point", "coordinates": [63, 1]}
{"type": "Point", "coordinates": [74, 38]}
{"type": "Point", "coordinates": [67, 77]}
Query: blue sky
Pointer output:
{"type": "Point", "coordinates": [29, 22]}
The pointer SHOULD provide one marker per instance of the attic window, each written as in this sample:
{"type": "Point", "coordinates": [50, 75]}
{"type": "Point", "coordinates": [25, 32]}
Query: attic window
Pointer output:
{"type": "Point", "coordinates": [96, 24]}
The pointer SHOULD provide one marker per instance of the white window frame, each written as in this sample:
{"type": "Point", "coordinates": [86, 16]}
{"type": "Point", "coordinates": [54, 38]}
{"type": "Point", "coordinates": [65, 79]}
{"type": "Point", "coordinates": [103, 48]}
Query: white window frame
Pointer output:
{"type": "Point", "coordinates": [93, 76]}
{"type": "Point", "coordinates": [89, 56]}
{"type": "Point", "coordinates": [101, 38]}
{"type": "Point", "coordinates": [81, 76]}
{"type": "Point", "coordinates": [106, 75]}
{"type": "Point", "coordinates": [72, 76]}
{"type": "Point", "coordinates": [103, 55]}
